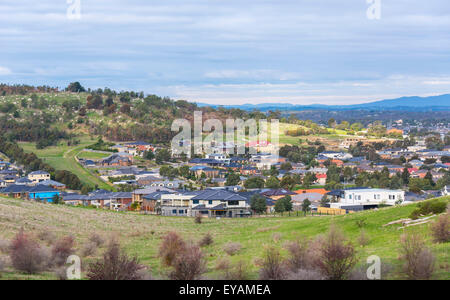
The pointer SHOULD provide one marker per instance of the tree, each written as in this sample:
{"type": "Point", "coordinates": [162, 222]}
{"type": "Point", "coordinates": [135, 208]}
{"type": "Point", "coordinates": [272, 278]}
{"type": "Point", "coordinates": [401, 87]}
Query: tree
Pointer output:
{"type": "Point", "coordinates": [162, 155]}
{"type": "Point", "coordinates": [75, 87]}
{"type": "Point", "coordinates": [284, 204]}
{"type": "Point", "coordinates": [254, 183]}
{"type": "Point", "coordinates": [286, 166]}
{"type": "Point", "coordinates": [331, 123]}
{"type": "Point", "coordinates": [272, 183]}
{"type": "Point", "coordinates": [149, 155]}
{"type": "Point", "coordinates": [258, 204]}
{"type": "Point", "coordinates": [306, 205]}
{"type": "Point", "coordinates": [233, 179]}
{"type": "Point", "coordinates": [405, 176]}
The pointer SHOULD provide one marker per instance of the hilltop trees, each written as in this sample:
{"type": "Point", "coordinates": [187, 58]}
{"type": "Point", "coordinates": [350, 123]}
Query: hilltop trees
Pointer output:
{"type": "Point", "coordinates": [75, 87]}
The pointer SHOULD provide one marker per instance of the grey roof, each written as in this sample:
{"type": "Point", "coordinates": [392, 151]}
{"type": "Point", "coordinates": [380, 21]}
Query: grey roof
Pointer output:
{"type": "Point", "coordinates": [39, 172]}
{"type": "Point", "coordinates": [152, 189]}
{"type": "Point", "coordinates": [313, 197]}
{"type": "Point", "coordinates": [156, 195]}
{"type": "Point", "coordinates": [50, 182]}
{"type": "Point", "coordinates": [23, 180]}
{"type": "Point", "coordinates": [221, 195]}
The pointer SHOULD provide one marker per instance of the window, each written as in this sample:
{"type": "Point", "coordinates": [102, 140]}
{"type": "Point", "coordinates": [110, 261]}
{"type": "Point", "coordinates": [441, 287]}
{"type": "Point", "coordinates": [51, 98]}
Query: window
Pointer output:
{"type": "Point", "coordinates": [174, 211]}
{"type": "Point", "coordinates": [210, 202]}
{"type": "Point", "coordinates": [350, 197]}
{"type": "Point", "coordinates": [233, 202]}
{"type": "Point", "coordinates": [195, 201]}
{"type": "Point", "coordinates": [181, 212]}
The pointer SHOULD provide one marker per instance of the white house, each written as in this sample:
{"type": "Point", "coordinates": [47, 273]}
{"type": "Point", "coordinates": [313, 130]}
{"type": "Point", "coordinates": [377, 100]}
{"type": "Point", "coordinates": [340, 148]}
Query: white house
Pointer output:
{"type": "Point", "coordinates": [368, 197]}
{"type": "Point", "coordinates": [336, 155]}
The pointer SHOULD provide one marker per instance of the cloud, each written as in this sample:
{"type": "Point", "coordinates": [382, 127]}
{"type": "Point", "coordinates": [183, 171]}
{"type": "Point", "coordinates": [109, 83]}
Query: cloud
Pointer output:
{"type": "Point", "coordinates": [230, 51]}
{"type": "Point", "coordinates": [4, 71]}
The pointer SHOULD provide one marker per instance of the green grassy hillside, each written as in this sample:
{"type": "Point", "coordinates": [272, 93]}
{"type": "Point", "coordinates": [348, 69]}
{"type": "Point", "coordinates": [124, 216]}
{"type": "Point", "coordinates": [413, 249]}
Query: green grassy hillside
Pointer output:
{"type": "Point", "coordinates": [141, 234]}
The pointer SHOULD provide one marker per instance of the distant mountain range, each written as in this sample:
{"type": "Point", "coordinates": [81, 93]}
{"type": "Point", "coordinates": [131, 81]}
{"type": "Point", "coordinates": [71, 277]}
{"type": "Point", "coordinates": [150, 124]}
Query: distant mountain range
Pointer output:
{"type": "Point", "coordinates": [441, 102]}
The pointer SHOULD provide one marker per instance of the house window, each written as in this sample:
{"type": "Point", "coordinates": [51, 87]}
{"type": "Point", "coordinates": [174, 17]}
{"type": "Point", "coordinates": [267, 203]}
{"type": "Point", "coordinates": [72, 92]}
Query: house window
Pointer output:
{"type": "Point", "coordinates": [174, 211]}
{"type": "Point", "coordinates": [350, 197]}
{"type": "Point", "coordinates": [195, 201]}
{"type": "Point", "coordinates": [233, 202]}
{"type": "Point", "coordinates": [210, 202]}
{"type": "Point", "coordinates": [181, 212]}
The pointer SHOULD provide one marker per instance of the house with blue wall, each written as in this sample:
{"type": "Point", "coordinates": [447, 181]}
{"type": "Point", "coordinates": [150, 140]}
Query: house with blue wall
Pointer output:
{"type": "Point", "coordinates": [43, 193]}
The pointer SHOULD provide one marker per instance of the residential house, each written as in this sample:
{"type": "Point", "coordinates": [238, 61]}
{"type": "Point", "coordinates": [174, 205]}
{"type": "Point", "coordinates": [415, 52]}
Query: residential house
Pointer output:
{"type": "Point", "coordinates": [54, 184]}
{"type": "Point", "coordinates": [43, 193]}
{"type": "Point", "coordinates": [38, 176]}
{"type": "Point", "coordinates": [365, 198]}
{"type": "Point", "coordinates": [117, 160]}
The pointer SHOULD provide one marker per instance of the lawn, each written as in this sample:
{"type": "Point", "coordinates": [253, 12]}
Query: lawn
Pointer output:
{"type": "Point", "coordinates": [62, 157]}
{"type": "Point", "coordinates": [92, 155]}
{"type": "Point", "coordinates": [141, 234]}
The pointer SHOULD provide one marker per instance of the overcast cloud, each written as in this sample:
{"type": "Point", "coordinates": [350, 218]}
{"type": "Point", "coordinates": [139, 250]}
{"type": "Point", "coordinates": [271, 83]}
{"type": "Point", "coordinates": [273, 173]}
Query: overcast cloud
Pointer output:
{"type": "Point", "coordinates": [231, 52]}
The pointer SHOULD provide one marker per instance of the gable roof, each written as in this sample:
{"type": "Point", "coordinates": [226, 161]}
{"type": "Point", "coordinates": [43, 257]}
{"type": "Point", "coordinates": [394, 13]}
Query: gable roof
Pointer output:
{"type": "Point", "coordinates": [221, 195]}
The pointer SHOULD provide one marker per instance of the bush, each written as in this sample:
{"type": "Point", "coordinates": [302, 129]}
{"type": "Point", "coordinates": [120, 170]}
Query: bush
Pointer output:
{"type": "Point", "coordinates": [3, 264]}
{"type": "Point", "coordinates": [418, 260]}
{"type": "Point", "coordinates": [238, 271]}
{"type": "Point", "coordinates": [97, 240]}
{"type": "Point", "coordinates": [115, 265]}
{"type": "Point", "coordinates": [189, 264]}
{"type": "Point", "coordinates": [89, 249]}
{"type": "Point", "coordinates": [232, 248]}
{"type": "Point", "coordinates": [172, 245]}
{"type": "Point", "coordinates": [206, 240]}
{"type": "Point", "coordinates": [26, 255]}
{"type": "Point", "coordinates": [62, 249]}
{"type": "Point", "coordinates": [434, 206]}
{"type": "Point", "coordinates": [198, 219]}
{"type": "Point", "coordinates": [47, 236]}
{"type": "Point", "coordinates": [305, 274]}
{"type": "Point", "coordinates": [272, 266]}
{"type": "Point", "coordinates": [336, 257]}
{"type": "Point", "coordinates": [363, 239]}
{"type": "Point", "coordinates": [297, 255]}
{"type": "Point", "coordinates": [441, 229]}
{"type": "Point", "coordinates": [4, 246]}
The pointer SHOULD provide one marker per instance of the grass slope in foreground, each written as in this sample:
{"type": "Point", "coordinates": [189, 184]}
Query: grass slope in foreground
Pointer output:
{"type": "Point", "coordinates": [141, 234]}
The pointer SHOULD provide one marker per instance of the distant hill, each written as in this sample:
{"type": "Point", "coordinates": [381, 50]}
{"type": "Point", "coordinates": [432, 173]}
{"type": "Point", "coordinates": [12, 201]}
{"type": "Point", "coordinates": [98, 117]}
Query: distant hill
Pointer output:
{"type": "Point", "coordinates": [441, 102]}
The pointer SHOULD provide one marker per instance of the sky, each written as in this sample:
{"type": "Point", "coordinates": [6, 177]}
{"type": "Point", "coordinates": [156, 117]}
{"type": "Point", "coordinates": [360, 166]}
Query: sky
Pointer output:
{"type": "Point", "coordinates": [232, 51]}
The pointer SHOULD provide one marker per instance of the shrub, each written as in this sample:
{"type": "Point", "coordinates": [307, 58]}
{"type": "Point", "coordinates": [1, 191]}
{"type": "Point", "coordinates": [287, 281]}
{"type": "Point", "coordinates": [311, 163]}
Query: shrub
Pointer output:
{"type": "Point", "coordinates": [26, 254]}
{"type": "Point", "coordinates": [47, 236]}
{"type": "Point", "coordinates": [172, 245]}
{"type": "Point", "coordinates": [434, 206]}
{"type": "Point", "coordinates": [61, 273]}
{"type": "Point", "coordinates": [238, 271]}
{"type": "Point", "coordinates": [363, 239]}
{"type": "Point", "coordinates": [305, 274]}
{"type": "Point", "coordinates": [272, 266]}
{"type": "Point", "coordinates": [4, 246]}
{"type": "Point", "coordinates": [62, 249]}
{"type": "Point", "coordinates": [206, 240]}
{"type": "Point", "coordinates": [198, 219]}
{"type": "Point", "coordinates": [441, 229]}
{"type": "Point", "coordinates": [3, 264]}
{"type": "Point", "coordinates": [418, 260]}
{"type": "Point", "coordinates": [115, 265]}
{"type": "Point", "coordinates": [222, 264]}
{"type": "Point", "coordinates": [89, 249]}
{"type": "Point", "coordinates": [232, 248]}
{"type": "Point", "coordinates": [189, 264]}
{"type": "Point", "coordinates": [97, 240]}
{"type": "Point", "coordinates": [297, 255]}
{"type": "Point", "coordinates": [336, 257]}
